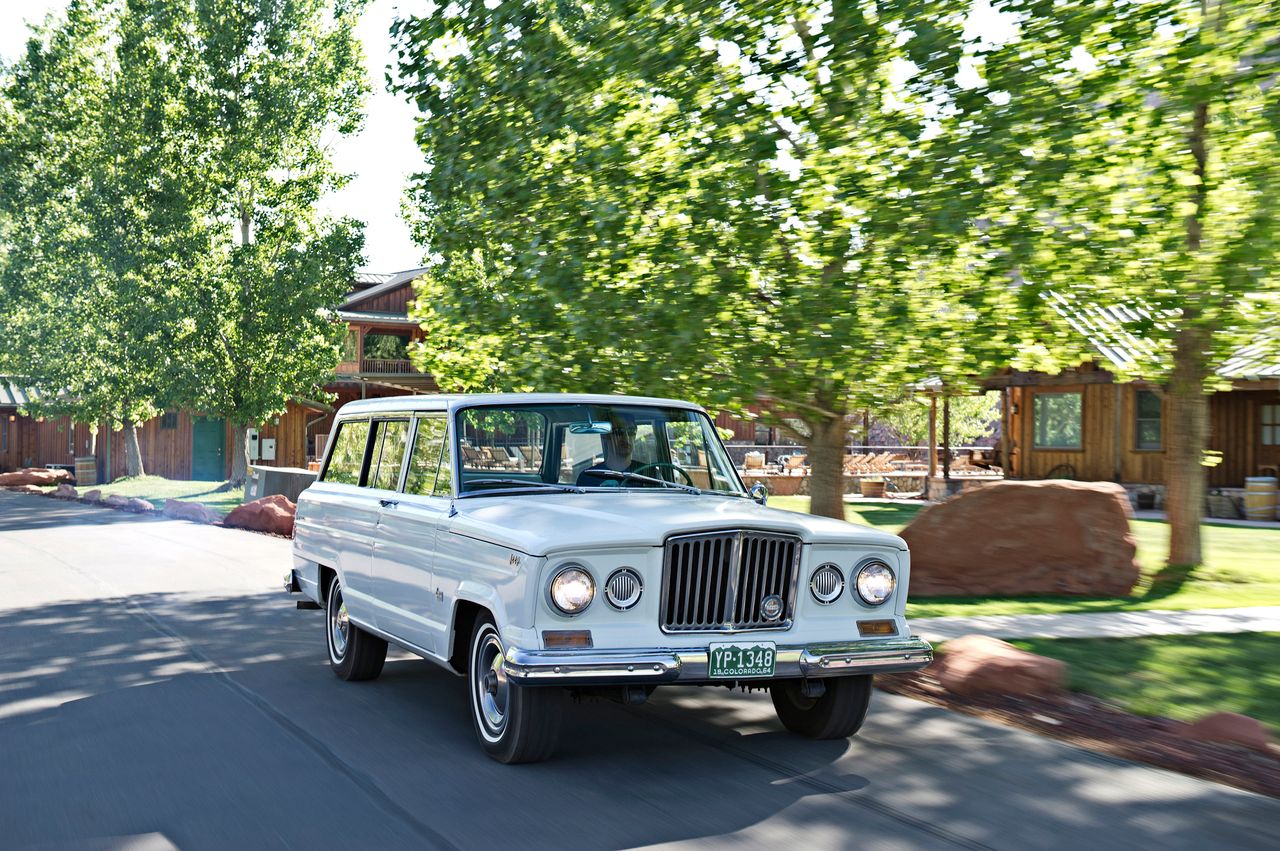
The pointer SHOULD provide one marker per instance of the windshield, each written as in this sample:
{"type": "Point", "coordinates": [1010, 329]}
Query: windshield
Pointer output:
{"type": "Point", "coordinates": [560, 447]}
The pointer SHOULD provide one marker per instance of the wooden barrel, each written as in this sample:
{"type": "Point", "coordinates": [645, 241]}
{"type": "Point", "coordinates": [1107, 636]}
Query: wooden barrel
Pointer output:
{"type": "Point", "coordinates": [1260, 498]}
{"type": "Point", "coordinates": [86, 470]}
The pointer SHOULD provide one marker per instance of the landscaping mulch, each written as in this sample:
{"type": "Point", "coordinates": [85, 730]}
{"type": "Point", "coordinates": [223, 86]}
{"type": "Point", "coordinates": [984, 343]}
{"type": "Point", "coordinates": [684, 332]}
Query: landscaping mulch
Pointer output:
{"type": "Point", "coordinates": [1087, 722]}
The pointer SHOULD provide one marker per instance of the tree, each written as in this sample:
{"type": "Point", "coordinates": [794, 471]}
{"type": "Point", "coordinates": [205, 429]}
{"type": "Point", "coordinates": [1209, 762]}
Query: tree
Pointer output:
{"type": "Point", "coordinates": [734, 202]}
{"type": "Point", "coordinates": [1126, 156]}
{"type": "Point", "coordinates": [91, 175]}
{"type": "Point", "coordinates": [279, 79]}
{"type": "Point", "coordinates": [971, 418]}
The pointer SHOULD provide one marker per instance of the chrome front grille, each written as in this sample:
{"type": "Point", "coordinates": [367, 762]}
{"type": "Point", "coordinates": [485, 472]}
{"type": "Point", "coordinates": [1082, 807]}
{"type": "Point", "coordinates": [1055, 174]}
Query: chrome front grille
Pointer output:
{"type": "Point", "coordinates": [716, 582]}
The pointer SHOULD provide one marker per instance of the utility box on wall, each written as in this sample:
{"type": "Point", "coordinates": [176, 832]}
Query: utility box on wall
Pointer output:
{"type": "Point", "coordinates": [268, 448]}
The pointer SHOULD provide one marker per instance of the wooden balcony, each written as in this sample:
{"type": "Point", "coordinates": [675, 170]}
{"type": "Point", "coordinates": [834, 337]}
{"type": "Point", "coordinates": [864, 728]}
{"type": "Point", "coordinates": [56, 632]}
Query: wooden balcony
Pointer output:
{"type": "Point", "coordinates": [377, 366]}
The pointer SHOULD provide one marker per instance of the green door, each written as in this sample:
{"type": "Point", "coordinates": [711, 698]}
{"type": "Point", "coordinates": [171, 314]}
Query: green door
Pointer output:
{"type": "Point", "coordinates": [208, 449]}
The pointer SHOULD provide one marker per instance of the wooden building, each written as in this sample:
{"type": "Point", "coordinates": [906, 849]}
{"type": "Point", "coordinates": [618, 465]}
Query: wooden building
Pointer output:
{"type": "Point", "coordinates": [185, 445]}
{"type": "Point", "coordinates": [1084, 424]}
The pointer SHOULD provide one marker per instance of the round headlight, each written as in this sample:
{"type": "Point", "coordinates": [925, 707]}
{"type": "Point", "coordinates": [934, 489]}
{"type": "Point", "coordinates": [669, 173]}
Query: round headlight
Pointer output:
{"type": "Point", "coordinates": [572, 589]}
{"type": "Point", "coordinates": [623, 589]}
{"type": "Point", "coordinates": [875, 582]}
{"type": "Point", "coordinates": [827, 584]}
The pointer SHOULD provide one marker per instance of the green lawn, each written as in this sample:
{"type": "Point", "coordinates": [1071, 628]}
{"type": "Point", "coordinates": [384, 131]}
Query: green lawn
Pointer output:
{"type": "Point", "coordinates": [1183, 677]}
{"type": "Point", "coordinates": [156, 489]}
{"type": "Point", "coordinates": [1242, 568]}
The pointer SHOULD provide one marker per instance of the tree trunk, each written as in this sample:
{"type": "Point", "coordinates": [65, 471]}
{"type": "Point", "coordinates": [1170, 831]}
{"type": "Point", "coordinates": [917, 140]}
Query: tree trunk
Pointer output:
{"type": "Point", "coordinates": [132, 452]}
{"type": "Point", "coordinates": [239, 454]}
{"type": "Point", "coordinates": [1186, 442]}
{"type": "Point", "coordinates": [826, 462]}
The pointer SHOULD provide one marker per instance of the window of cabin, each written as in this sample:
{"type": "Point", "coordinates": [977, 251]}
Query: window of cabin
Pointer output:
{"type": "Point", "coordinates": [1147, 425]}
{"type": "Point", "coordinates": [169, 420]}
{"type": "Point", "coordinates": [390, 442]}
{"type": "Point", "coordinates": [430, 472]}
{"type": "Point", "coordinates": [762, 436]}
{"type": "Point", "coordinates": [347, 458]}
{"type": "Point", "coordinates": [4, 434]}
{"type": "Point", "coordinates": [1058, 421]}
{"type": "Point", "coordinates": [1271, 425]}
{"type": "Point", "coordinates": [386, 346]}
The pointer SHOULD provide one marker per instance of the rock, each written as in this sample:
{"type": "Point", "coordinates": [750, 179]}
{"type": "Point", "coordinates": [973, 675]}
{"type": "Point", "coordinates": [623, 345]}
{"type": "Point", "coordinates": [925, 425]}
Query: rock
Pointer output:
{"type": "Point", "coordinates": [94, 495]}
{"type": "Point", "coordinates": [34, 476]}
{"type": "Point", "coordinates": [115, 500]}
{"type": "Point", "coordinates": [65, 491]}
{"type": "Point", "coordinates": [193, 511]}
{"type": "Point", "coordinates": [139, 506]}
{"type": "Point", "coordinates": [272, 514]}
{"type": "Point", "coordinates": [1021, 538]}
{"type": "Point", "coordinates": [1232, 728]}
{"type": "Point", "coordinates": [24, 488]}
{"type": "Point", "coordinates": [979, 664]}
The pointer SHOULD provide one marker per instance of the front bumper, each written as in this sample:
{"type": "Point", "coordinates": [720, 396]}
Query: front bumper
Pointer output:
{"type": "Point", "coordinates": [689, 665]}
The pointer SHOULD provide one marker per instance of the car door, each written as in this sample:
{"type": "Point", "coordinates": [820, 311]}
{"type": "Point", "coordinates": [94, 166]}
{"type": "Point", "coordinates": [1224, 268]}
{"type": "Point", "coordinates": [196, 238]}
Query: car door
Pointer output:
{"type": "Point", "coordinates": [404, 549]}
{"type": "Point", "coordinates": [338, 521]}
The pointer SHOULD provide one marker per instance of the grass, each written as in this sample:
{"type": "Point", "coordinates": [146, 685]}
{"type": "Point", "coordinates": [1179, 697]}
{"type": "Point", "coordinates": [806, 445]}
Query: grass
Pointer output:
{"type": "Point", "coordinates": [156, 489]}
{"type": "Point", "coordinates": [1184, 677]}
{"type": "Point", "coordinates": [1241, 568]}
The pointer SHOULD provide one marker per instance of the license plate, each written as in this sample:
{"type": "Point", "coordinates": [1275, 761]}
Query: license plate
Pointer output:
{"type": "Point", "coordinates": [745, 659]}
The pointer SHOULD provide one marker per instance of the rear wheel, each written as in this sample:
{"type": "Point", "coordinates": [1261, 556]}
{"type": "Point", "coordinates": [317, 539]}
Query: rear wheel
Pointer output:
{"type": "Point", "coordinates": [353, 653]}
{"type": "Point", "coordinates": [513, 723]}
{"type": "Point", "coordinates": [837, 714]}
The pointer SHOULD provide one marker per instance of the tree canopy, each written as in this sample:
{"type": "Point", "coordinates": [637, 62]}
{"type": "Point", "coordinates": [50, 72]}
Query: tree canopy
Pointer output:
{"type": "Point", "coordinates": [735, 202]}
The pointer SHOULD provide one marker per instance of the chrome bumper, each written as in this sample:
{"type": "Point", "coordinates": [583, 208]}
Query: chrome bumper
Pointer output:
{"type": "Point", "coordinates": [689, 665]}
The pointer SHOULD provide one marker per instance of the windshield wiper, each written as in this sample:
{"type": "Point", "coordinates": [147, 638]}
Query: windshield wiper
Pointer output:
{"type": "Point", "coordinates": [516, 486]}
{"type": "Point", "coordinates": [627, 476]}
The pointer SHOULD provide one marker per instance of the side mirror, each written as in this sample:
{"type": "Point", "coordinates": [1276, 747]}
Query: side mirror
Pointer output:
{"type": "Point", "coordinates": [759, 493]}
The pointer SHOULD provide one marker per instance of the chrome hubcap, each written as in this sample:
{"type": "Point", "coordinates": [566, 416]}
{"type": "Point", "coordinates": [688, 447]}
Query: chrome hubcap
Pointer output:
{"type": "Point", "coordinates": [493, 689]}
{"type": "Point", "coordinates": [339, 625]}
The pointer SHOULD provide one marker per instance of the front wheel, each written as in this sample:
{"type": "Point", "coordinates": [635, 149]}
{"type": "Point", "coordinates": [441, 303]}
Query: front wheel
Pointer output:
{"type": "Point", "coordinates": [837, 714]}
{"type": "Point", "coordinates": [514, 723]}
{"type": "Point", "coordinates": [353, 653]}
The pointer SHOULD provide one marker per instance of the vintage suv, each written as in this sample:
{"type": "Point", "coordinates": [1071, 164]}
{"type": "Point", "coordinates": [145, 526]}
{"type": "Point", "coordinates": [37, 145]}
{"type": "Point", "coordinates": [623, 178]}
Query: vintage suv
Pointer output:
{"type": "Point", "coordinates": [548, 544]}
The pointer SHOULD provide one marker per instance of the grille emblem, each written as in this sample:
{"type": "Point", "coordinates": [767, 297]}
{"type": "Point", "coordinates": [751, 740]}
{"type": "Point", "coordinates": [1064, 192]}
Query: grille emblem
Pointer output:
{"type": "Point", "coordinates": [771, 607]}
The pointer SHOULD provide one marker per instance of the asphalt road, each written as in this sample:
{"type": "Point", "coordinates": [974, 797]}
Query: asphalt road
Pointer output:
{"type": "Point", "coordinates": [157, 691]}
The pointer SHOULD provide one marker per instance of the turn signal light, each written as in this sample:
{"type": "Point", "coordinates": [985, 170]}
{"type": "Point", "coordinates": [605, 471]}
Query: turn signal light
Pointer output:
{"type": "Point", "coordinates": [875, 628]}
{"type": "Point", "coordinates": [566, 638]}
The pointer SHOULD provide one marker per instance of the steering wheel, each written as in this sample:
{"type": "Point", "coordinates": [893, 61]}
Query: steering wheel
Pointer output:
{"type": "Point", "coordinates": [640, 471]}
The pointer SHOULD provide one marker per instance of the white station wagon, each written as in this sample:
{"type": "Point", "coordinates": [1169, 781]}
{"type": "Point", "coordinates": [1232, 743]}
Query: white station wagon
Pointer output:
{"type": "Point", "coordinates": [547, 544]}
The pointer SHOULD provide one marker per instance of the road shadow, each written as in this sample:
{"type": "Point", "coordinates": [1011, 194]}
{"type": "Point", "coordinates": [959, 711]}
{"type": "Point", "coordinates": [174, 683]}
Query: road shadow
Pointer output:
{"type": "Point", "coordinates": [213, 721]}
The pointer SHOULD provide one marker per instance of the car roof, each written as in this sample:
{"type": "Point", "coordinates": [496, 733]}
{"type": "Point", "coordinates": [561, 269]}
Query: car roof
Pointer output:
{"type": "Point", "coordinates": [454, 402]}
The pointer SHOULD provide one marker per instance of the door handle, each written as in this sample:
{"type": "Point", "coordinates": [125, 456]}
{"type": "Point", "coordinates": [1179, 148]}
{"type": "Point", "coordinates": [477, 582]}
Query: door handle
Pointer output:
{"type": "Point", "coordinates": [388, 503]}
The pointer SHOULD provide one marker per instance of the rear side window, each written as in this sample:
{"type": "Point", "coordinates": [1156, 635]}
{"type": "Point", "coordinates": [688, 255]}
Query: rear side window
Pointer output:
{"type": "Point", "coordinates": [389, 441]}
{"type": "Point", "coordinates": [348, 453]}
{"type": "Point", "coordinates": [430, 473]}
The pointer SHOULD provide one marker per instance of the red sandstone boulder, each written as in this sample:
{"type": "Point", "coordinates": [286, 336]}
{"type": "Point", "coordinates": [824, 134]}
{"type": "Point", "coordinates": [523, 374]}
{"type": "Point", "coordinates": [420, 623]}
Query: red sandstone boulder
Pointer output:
{"type": "Point", "coordinates": [1019, 538]}
{"type": "Point", "coordinates": [117, 501]}
{"type": "Point", "coordinates": [94, 495]}
{"type": "Point", "coordinates": [65, 491]}
{"type": "Point", "coordinates": [139, 506]}
{"type": "Point", "coordinates": [979, 664]}
{"type": "Point", "coordinates": [193, 511]}
{"type": "Point", "coordinates": [272, 514]}
{"type": "Point", "coordinates": [1232, 728]}
{"type": "Point", "coordinates": [23, 488]}
{"type": "Point", "coordinates": [34, 476]}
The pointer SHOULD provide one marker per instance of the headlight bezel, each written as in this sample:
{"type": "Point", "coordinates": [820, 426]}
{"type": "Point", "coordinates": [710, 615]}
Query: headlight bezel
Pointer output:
{"type": "Point", "coordinates": [813, 579]}
{"type": "Point", "coordinates": [560, 571]}
{"type": "Point", "coordinates": [861, 569]}
{"type": "Point", "coordinates": [622, 605]}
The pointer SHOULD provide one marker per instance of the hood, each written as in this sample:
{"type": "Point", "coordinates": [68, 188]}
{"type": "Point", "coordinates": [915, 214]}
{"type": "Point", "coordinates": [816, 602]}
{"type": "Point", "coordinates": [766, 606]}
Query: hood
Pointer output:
{"type": "Point", "coordinates": [539, 524]}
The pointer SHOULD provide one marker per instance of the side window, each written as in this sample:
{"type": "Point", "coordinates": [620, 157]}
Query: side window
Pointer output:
{"type": "Point", "coordinates": [348, 453]}
{"type": "Point", "coordinates": [389, 450]}
{"type": "Point", "coordinates": [1146, 420]}
{"type": "Point", "coordinates": [427, 475]}
{"type": "Point", "coordinates": [1058, 422]}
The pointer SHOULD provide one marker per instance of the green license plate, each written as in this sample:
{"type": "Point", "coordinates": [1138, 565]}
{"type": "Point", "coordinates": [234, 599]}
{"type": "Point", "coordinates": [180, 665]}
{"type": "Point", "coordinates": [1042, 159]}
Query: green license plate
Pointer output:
{"type": "Point", "coordinates": [744, 659]}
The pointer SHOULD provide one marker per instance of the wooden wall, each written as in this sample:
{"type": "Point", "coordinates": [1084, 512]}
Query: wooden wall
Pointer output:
{"type": "Point", "coordinates": [35, 443]}
{"type": "Point", "coordinates": [1108, 452]}
{"type": "Point", "coordinates": [395, 301]}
